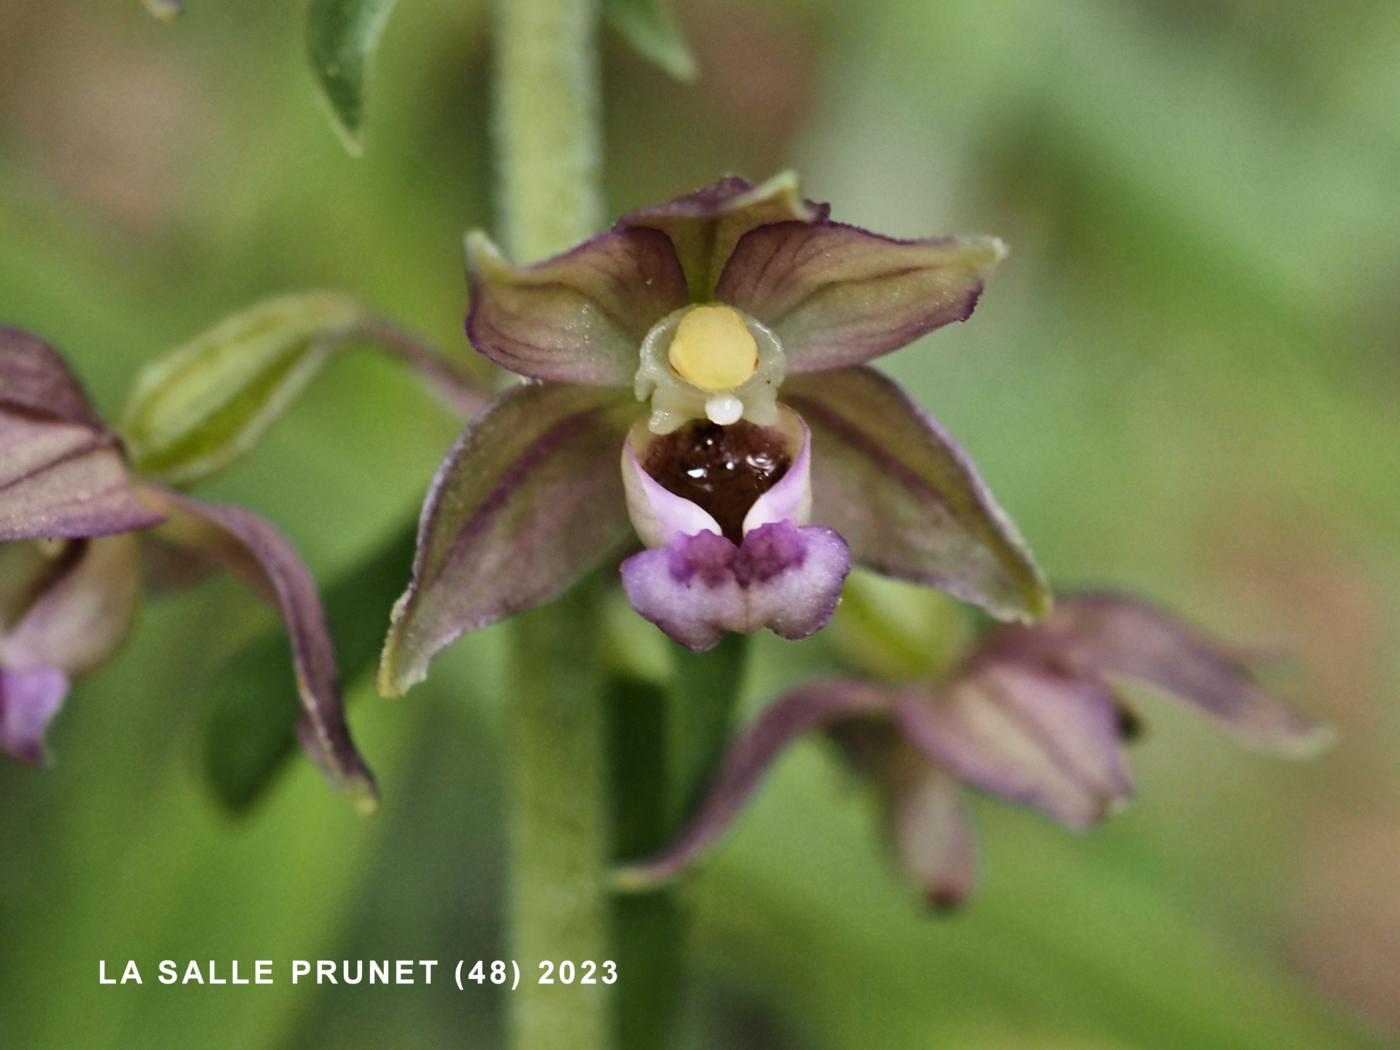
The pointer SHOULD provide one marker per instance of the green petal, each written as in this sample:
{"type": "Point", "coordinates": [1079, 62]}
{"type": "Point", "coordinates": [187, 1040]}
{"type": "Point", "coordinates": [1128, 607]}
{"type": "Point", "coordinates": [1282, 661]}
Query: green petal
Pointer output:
{"type": "Point", "coordinates": [837, 295]}
{"type": "Point", "coordinates": [906, 498]}
{"type": "Point", "coordinates": [253, 550]}
{"type": "Point", "coordinates": [62, 473]}
{"type": "Point", "coordinates": [526, 502]}
{"type": "Point", "coordinates": [707, 224]}
{"type": "Point", "coordinates": [1128, 638]}
{"type": "Point", "coordinates": [579, 317]}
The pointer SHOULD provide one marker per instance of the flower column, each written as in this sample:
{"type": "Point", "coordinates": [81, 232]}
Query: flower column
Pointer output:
{"type": "Point", "coordinates": [548, 154]}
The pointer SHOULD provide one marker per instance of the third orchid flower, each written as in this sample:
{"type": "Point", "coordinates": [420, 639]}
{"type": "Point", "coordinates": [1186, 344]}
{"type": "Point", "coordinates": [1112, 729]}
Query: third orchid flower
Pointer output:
{"type": "Point", "coordinates": [698, 381]}
{"type": "Point", "coordinates": [1033, 714]}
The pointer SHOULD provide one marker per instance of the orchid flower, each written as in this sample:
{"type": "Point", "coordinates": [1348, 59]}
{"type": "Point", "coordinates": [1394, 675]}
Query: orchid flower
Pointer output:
{"type": "Point", "coordinates": [1034, 715]}
{"type": "Point", "coordinates": [73, 526]}
{"type": "Point", "coordinates": [698, 383]}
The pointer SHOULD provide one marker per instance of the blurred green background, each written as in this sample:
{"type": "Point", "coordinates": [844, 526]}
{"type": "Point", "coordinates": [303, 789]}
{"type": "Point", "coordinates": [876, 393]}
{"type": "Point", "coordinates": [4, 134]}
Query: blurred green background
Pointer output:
{"type": "Point", "coordinates": [1184, 381]}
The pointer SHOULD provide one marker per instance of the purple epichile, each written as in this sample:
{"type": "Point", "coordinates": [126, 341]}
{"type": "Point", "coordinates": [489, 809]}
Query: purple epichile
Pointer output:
{"type": "Point", "coordinates": [73, 527]}
{"type": "Point", "coordinates": [715, 345]}
{"type": "Point", "coordinates": [1032, 715]}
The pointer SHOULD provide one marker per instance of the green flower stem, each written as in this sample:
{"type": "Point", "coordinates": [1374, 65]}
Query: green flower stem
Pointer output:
{"type": "Point", "coordinates": [560, 822]}
{"type": "Point", "coordinates": [548, 154]}
{"type": "Point", "coordinates": [548, 137]}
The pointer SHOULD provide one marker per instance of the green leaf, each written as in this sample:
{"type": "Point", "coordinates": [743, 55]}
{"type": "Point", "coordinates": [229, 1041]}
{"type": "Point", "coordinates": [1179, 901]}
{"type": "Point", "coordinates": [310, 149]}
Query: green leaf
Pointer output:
{"type": "Point", "coordinates": [649, 27]}
{"type": "Point", "coordinates": [341, 38]}
{"type": "Point", "coordinates": [649, 931]}
{"type": "Point", "coordinates": [207, 402]}
{"type": "Point", "coordinates": [251, 732]}
{"type": "Point", "coordinates": [165, 10]}
{"type": "Point", "coordinates": [666, 743]}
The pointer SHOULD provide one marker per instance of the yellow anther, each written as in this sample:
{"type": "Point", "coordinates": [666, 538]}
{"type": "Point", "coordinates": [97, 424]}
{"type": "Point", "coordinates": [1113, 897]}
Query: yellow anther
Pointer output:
{"type": "Point", "coordinates": [713, 348]}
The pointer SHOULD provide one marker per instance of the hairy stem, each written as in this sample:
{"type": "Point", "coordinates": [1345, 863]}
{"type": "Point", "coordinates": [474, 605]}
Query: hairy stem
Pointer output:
{"type": "Point", "coordinates": [547, 129]}
{"type": "Point", "coordinates": [546, 95]}
{"type": "Point", "coordinates": [560, 824]}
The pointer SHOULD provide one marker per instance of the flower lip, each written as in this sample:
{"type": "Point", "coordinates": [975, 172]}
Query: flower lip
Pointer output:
{"type": "Point", "coordinates": [659, 515]}
{"type": "Point", "coordinates": [724, 470]}
{"type": "Point", "coordinates": [29, 700]}
{"type": "Point", "coordinates": [782, 576]}
{"type": "Point", "coordinates": [790, 498]}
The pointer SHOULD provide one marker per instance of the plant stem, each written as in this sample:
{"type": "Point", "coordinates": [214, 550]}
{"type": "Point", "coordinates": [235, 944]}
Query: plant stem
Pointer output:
{"type": "Point", "coordinates": [547, 128]}
{"type": "Point", "coordinates": [559, 823]}
{"type": "Point", "coordinates": [548, 155]}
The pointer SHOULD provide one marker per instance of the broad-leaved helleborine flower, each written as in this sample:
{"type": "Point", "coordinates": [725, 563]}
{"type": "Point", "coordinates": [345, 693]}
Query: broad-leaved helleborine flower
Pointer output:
{"type": "Point", "coordinates": [698, 382]}
{"type": "Point", "coordinates": [73, 526]}
{"type": "Point", "coordinates": [1033, 715]}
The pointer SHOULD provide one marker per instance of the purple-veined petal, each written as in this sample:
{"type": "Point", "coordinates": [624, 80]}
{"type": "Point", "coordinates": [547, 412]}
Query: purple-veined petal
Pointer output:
{"type": "Point", "coordinates": [805, 709]}
{"type": "Point", "coordinates": [29, 700]}
{"type": "Point", "coordinates": [1026, 734]}
{"type": "Point", "coordinates": [705, 203]}
{"type": "Point", "coordinates": [63, 480]}
{"type": "Point", "coordinates": [658, 514]}
{"type": "Point", "coordinates": [36, 379]}
{"type": "Point", "coordinates": [837, 295]}
{"type": "Point", "coordinates": [926, 820]}
{"type": "Point", "coordinates": [906, 498]}
{"type": "Point", "coordinates": [257, 553]}
{"type": "Point", "coordinates": [783, 577]}
{"type": "Point", "coordinates": [62, 473]}
{"type": "Point", "coordinates": [579, 317]}
{"type": "Point", "coordinates": [932, 833]}
{"type": "Point", "coordinates": [528, 499]}
{"type": "Point", "coordinates": [1121, 636]}
{"type": "Point", "coordinates": [81, 610]}
{"type": "Point", "coordinates": [707, 224]}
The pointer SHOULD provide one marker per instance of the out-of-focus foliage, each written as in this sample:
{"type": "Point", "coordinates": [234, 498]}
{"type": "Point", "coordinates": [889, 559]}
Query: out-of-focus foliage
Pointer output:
{"type": "Point", "coordinates": [649, 27]}
{"type": "Point", "coordinates": [1182, 381]}
{"type": "Point", "coordinates": [341, 39]}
